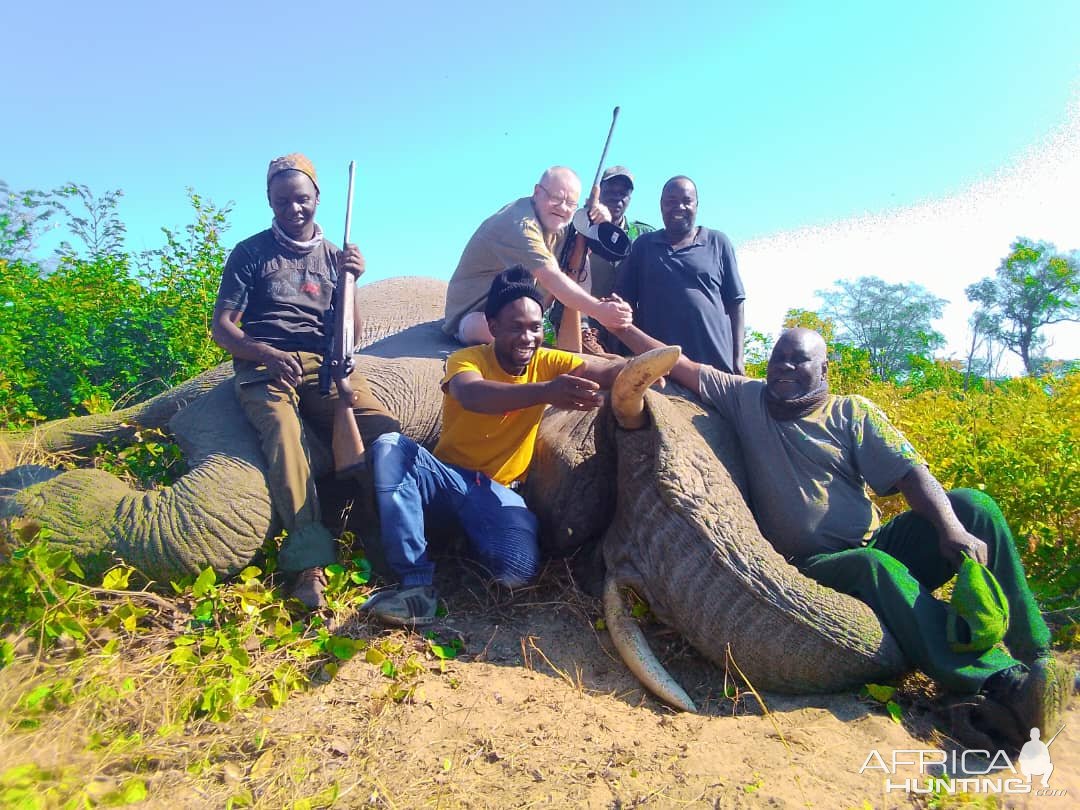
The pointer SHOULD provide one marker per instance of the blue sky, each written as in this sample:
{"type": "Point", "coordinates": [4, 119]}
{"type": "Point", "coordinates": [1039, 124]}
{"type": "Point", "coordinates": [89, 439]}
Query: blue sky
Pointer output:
{"type": "Point", "coordinates": [800, 122]}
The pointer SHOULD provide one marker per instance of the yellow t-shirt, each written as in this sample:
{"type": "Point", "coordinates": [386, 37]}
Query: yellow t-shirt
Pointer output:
{"type": "Point", "coordinates": [500, 445]}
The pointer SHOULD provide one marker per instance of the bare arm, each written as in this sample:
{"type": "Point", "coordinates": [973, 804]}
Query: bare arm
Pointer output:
{"type": "Point", "coordinates": [927, 498]}
{"type": "Point", "coordinates": [738, 330]}
{"type": "Point", "coordinates": [227, 334]}
{"type": "Point", "coordinates": [686, 372]}
{"type": "Point", "coordinates": [611, 314]}
{"type": "Point", "coordinates": [490, 396]}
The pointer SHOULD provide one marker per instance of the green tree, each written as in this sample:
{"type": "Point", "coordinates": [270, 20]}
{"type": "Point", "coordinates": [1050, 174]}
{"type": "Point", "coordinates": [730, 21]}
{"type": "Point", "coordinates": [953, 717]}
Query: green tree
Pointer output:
{"type": "Point", "coordinates": [890, 322]}
{"type": "Point", "coordinates": [808, 319]}
{"type": "Point", "coordinates": [1034, 286]}
{"type": "Point", "coordinates": [97, 223]}
{"type": "Point", "coordinates": [23, 215]}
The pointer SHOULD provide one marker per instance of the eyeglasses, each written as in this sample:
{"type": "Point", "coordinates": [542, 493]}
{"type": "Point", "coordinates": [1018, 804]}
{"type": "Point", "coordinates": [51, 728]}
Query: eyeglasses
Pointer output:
{"type": "Point", "coordinates": [569, 202]}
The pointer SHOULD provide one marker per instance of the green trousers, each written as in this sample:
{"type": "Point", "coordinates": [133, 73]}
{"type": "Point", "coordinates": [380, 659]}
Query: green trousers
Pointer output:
{"type": "Point", "coordinates": [900, 566]}
{"type": "Point", "coordinates": [274, 410]}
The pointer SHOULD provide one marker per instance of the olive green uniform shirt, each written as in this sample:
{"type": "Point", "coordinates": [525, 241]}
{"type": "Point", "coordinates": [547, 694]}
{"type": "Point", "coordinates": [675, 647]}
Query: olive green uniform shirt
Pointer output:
{"type": "Point", "coordinates": [808, 476]}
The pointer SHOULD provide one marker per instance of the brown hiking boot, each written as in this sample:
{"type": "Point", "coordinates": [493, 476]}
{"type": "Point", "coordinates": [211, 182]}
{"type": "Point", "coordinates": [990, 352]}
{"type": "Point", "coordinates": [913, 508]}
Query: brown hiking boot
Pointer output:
{"type": "Point", "coordinates": [309, 586]}
{"type": "Point", "coordinates": [590, 341]}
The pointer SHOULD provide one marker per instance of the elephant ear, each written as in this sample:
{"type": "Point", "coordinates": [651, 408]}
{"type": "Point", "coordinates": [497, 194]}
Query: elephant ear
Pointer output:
{"type": "Point", "coordinates": [684, 538]}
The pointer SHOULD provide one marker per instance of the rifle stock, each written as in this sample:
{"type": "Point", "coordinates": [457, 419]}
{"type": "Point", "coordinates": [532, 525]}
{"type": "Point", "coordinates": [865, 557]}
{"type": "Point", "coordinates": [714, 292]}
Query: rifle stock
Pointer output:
{"type": "Point", "coordinates": [347, 444]}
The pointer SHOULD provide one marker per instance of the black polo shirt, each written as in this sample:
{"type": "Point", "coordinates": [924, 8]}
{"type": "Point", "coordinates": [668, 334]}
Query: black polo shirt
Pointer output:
{"type": "Point", "coordinates": [679, 296]}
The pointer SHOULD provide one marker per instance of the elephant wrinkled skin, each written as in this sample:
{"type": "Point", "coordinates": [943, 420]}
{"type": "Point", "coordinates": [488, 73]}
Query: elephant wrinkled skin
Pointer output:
{"type": "Point", "coordinates": [665, 501]}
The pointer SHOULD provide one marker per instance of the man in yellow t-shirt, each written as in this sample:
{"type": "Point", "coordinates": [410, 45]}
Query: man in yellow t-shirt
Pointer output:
{"type": "Point", "coordinates": [494, 398]}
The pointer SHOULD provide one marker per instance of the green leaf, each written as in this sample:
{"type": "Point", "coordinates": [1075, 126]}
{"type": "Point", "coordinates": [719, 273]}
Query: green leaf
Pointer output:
{"type": "Point", "coordinates": [639, 610]}
{"type": "Point", "coordinates": [132, 791]}
{"type": "Point", "coordinates": [879, 692]}
{"type": "Point", "coordinates": [344, 648]}
{"type": "Point", "coordinates": [250, 573]}
{"type": "Point", "coordinates": [893, 708]}
{"type": "Point", "coordinates": [116, 579]}
{"type": "Point", "coordinates": [446, 651]}
{"type": "Point", "coordinates": [7, 652]}
{"type": "Point", "coordinates": [204, 583]}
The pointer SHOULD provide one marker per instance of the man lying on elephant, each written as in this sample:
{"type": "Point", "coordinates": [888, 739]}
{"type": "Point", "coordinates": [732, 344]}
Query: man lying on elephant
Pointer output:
{"type": "Point", "coordinates": [493, 399]}
{"type": "Point", "coordinates": [809, 455]}
{"type": "Point", "coordinates": [274, 294]}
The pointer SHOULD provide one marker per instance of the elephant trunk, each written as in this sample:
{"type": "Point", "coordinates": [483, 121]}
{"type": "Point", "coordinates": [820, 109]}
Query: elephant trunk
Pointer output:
{"type": "Point", "coordinates": [628, 392]}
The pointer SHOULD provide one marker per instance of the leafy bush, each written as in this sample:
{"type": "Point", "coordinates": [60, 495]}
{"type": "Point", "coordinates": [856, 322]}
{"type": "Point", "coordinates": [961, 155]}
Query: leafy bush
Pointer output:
{"type": "Point", "coordinates": [1019, 440]}
{"type": "Point", "coordinates": [92, 332]}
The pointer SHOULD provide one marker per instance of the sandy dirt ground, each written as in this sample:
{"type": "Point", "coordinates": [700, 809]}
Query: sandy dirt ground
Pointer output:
{"type": "Point", "coordinates": [539, 711]}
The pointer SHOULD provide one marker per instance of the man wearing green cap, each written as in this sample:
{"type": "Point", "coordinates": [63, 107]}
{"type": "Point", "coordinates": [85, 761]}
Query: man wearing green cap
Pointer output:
{"type": "Point", "coordinates": [270, 316]}
{"type": "Point", "coordinates": [810, 455]}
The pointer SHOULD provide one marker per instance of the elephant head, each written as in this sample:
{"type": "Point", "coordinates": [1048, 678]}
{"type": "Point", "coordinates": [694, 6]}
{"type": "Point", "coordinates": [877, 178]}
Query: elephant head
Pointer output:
{"type": "Point", "coordinates": [657, 480]}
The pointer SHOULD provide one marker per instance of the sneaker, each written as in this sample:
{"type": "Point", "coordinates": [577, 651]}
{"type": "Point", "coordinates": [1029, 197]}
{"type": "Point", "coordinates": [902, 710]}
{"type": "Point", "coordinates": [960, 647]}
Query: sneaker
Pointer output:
{"type": "Point", "coordinates": [309, 587]}
{"type": "Point", "coordinates": [406, 607]}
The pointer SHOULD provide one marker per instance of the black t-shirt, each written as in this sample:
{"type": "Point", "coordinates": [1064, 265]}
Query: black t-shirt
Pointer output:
{"type": "Point", "coordinates": [679, 296]}
{"type": "Point", "coordinates": [283, 295]}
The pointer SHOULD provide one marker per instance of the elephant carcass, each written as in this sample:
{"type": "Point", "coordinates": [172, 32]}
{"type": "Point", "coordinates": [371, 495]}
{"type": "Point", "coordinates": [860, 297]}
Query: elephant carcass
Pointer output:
{"type": "Point", "coordinates": [682, 535]}
{"type": "Point", "coordinates": [218, 514]}
{"type": "Point", "coordinates": [685, 540]}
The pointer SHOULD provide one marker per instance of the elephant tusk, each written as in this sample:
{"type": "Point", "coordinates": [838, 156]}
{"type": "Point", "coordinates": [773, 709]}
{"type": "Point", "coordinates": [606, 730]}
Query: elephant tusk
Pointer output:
{"type": "Point", "coordinates": [636, 654]}
{"type": "Point", "coordinates": [628, 392]}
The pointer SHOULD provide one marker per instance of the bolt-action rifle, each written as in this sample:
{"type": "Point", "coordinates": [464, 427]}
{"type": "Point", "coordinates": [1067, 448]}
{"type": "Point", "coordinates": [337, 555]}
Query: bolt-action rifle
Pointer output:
{"type": "Point", "coordinates": [611, 242]}
{"type": "Point", "coordinates": [337, 365]}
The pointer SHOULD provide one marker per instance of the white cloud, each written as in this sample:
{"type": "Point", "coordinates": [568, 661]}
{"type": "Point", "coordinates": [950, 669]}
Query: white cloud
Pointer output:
{"type": "Point", "coordinates": [942, 244]}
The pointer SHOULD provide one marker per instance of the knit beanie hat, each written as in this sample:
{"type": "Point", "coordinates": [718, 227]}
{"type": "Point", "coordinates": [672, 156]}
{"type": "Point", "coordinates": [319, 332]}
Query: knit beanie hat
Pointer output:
{"type": "Point", "coordinates": [978, 613]}
{"type": "Point", "coordinates": [510, 285]}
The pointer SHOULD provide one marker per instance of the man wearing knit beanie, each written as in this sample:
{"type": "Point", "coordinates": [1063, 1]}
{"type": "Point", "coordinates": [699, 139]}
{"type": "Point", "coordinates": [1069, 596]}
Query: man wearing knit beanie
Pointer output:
{"type": "Point", "coordinates": [270, 316]}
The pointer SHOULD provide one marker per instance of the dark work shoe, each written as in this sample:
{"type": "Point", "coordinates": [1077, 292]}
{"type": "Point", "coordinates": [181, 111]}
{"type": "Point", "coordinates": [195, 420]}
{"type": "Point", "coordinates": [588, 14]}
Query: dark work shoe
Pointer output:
{"type": "Point", "coordinates": [309, 587]}
{"type": "Point", "coordinates": [1037, 698]}
{"type": "Point", "coordinates": [404, 607]}
{"type": "Point", "coordinates": [590, 341]}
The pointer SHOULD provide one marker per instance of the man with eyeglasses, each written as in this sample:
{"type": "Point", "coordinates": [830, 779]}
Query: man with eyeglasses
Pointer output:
{"type": "Point", "coordinates": [530, 232]}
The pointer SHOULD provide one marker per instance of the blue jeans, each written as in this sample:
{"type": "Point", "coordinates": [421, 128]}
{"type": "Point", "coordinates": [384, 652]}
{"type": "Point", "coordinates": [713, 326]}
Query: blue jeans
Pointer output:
{"type": "Point", "coordinates": [412, 486]}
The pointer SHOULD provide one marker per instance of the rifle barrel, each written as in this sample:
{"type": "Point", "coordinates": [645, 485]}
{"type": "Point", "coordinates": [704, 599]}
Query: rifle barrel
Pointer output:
{"type": "Point", "coordinates": [348, 203]}
{"type": "Point", "coordinates": [607, 143]}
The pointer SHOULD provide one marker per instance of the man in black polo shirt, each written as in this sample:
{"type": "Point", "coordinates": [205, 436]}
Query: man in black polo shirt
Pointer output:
{"type": "Point", "coordinates": [683, 283]}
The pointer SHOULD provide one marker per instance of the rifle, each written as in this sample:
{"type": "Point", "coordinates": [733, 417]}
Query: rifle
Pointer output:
{"type": "Point", "coordinates": [575, 257]}
{"type": "Point", "coordinates": [337, 365]}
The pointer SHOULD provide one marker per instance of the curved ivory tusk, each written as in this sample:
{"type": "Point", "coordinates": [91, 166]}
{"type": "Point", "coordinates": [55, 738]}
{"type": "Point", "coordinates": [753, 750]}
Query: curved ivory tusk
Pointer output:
{"type": "Point", "coordinates": [636, 654]}
{"type": "Point", "coordinates": [628, 392]}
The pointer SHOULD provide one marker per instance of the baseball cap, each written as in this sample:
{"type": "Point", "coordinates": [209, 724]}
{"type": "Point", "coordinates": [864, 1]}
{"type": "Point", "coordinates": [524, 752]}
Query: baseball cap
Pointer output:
{"type": "Point", "coordinates": [978, 613]}
{"type": "Point", "coordinates": [617, 171]}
